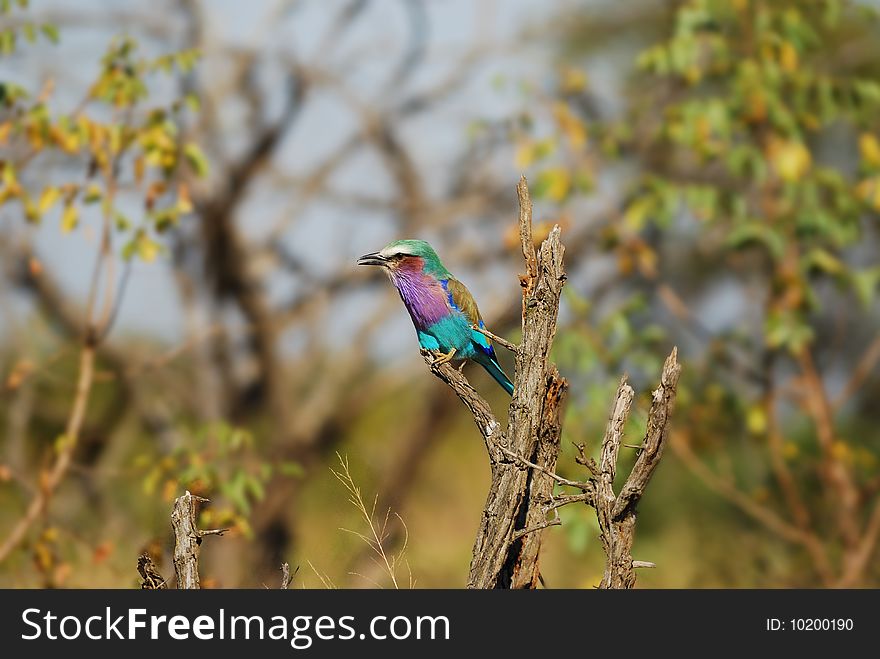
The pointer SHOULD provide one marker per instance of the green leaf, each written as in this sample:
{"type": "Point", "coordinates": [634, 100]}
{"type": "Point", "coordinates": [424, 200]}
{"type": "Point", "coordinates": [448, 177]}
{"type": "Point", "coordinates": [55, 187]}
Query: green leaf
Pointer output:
{"type": "Point", "coordinates": [193, 102]}
{"type": "Point", "coordinates": [787, 330]}
{"type": "Point", "coordinates": [292, 469]}
{"type": "Point", "coordinates": [256, 487]}
{"type": "Point", "coordinates": [756, 232]}
{"type": "Point", "coordinates": [50, 31]}
{"type": "Point", "coordinates": [823, 260]}
{"type": "Point", "coordinates": [553, 184]}
{"type": "Point", "coordinates": [143, 247]}
{"type": "Point", "coordinates": [7, 41]}
{"type": "Point", "coordinates": [865, 284]}
{"type": "Point", "coordinates": [121, 221]}
{"type": "Point", "coordinates": [235, 490]}
{"type": "Point", "coordinates": [92, 194]}
{"type": "Point", "coordinates": [196, 159]}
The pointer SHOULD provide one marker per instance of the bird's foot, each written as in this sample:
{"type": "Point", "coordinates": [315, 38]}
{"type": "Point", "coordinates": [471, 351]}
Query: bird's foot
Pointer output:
{"type": "Point", "coordinates": [444, 358]}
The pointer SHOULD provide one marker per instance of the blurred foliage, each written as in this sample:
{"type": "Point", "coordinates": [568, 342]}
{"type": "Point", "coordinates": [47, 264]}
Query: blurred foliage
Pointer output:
{"type": "Point", "coordinates": [217, 461]}
{"type": "Point", "coordinates": [114, 140]}
{"type": "Point", "coordinates": [750, 140]}
{"type": "Point", "coordinates": [110, 134]}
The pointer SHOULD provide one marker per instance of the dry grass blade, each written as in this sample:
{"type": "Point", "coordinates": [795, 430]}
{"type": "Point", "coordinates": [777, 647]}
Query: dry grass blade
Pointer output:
{"type": "Point", "coordinates": [378, 533]}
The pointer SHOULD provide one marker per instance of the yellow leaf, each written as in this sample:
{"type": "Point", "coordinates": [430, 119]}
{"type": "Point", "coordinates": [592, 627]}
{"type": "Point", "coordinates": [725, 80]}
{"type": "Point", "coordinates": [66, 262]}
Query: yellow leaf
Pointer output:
{"type": "Point", "coordinates": [147, 249]}
{"type": "Point", "coordinates": [525, 154]}
{"type": "Point", "coordinates": [9, 177]}
{"type": "Point", "coordinates": [573, 81]}
{"type": "Point", "coordinates": [569, 124]}
{"type": "Point", "coordinates": [48, 197]}
{"type": "Point", "coordinates": [646, 259]}
{"type": "Point", "coordinates": [869, 148]}
{"type": "Point", "coordinates": [841, 451]}
{"type": "Point", "coordinates": [790, 158]}
{"type": "Point", "coordinates": [69, 218]}
{"type": "Point", "coordinates": [703, 130]}
{"type": "Point", "coordinates": [756, 420]}
{"type": "Point", "coordinates": [170, 489]}
{"type": "Point", "coordinates": [154, 158]}
{"type": "Point", "coordinates": [868, 191]}
{"type": "Point", "coordinates": [756, 105]}
{"type": "Point", "coordinates": [115, 138]}
{"type": "Point", "coordinates": [30, 210]}
{"type": "Point", "coordinates": [554, 183]}
{"type": "Point", "coordinates": [5, 129]}
{"type": "Point", "coordinates": [7, 193]}
{"type": "Point", "coordinates": [43, 557]}
{"type": "Point", "coordinates": [637, 213]}
{"type": "Point", "coordinates": [825, 261]}
{"type": "Point", "coordinates": [195, 157]}
{"type": "Point", "coordinates": [788, 57]}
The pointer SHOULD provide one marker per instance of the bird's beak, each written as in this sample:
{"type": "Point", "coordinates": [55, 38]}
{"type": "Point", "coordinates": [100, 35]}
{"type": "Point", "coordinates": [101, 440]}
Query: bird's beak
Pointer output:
{"type": "Point", "coordinates": [372, 259]}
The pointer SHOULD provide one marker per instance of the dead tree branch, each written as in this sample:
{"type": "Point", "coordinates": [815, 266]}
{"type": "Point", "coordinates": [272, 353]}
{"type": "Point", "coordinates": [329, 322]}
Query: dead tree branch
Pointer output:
{"type": "Point", "coordinates": [96, 325]}
{"type": "Point", "coordinates": [523, 458]}
{"type": "Point", "coordinates": [188, 540]}
{"type": "Point", "coordinates": [617, 515]}
{"type": "Point", "coordinates": [286, 577]}
{"type": "Point", "coordinates": [150, 577]}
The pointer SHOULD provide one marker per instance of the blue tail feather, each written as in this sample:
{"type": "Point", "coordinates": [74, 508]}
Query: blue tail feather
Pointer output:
{"type": "Point", "coordinates": [494, 369]}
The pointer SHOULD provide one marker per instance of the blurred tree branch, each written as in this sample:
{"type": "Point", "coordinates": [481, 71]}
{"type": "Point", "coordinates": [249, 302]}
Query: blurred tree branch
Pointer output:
{"type": "Point", "coordinates": [94, 329]}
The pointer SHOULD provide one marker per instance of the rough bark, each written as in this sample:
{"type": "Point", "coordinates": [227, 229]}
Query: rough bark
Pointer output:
{"type": "Point", "coordinates": [523, 458]}
{"type": "Point", "coordinates": [188, 540]}
{"type": "Point", "coordinates": [150, 577]}
{"type": "Point", "coordinates": [617, 515]}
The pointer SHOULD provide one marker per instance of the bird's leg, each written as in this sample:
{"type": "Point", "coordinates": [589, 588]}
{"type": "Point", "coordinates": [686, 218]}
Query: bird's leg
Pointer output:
{"type": "Point", "coordinates": [444, 357]}
{"type": "Point", "coordinates": [461, 366]}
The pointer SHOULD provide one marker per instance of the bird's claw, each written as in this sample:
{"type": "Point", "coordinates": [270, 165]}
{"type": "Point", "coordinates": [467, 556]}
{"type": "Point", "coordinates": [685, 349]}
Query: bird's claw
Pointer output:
{"type": "Point", "coordinates": [444, 358]}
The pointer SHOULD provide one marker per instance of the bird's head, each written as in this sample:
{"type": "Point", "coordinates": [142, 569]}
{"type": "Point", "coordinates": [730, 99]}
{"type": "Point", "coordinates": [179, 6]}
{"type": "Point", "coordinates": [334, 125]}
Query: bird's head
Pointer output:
{"type": "Point", "coordinates": [406, 255]}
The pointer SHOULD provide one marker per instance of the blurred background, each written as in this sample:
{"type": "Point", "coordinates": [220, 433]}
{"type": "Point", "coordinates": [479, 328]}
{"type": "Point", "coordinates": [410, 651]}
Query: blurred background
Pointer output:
{"type": "Point", "coordinates": [186, 186]}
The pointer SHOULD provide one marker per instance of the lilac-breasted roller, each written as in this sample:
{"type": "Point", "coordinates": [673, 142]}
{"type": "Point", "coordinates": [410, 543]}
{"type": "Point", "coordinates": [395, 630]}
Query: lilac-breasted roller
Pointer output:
{"type": "Point", "coordinates": [441, 307]}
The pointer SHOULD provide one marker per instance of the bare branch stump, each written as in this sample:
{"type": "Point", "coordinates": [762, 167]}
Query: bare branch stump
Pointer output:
{"type": "Point", "coordinates": [286, 576]}
{"type": "Point", "coordinates": [617, 514]}
{"type": "Point", "coordinates": [150, 577]}
{"type": "Point", "coordinates": [188, 540]}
